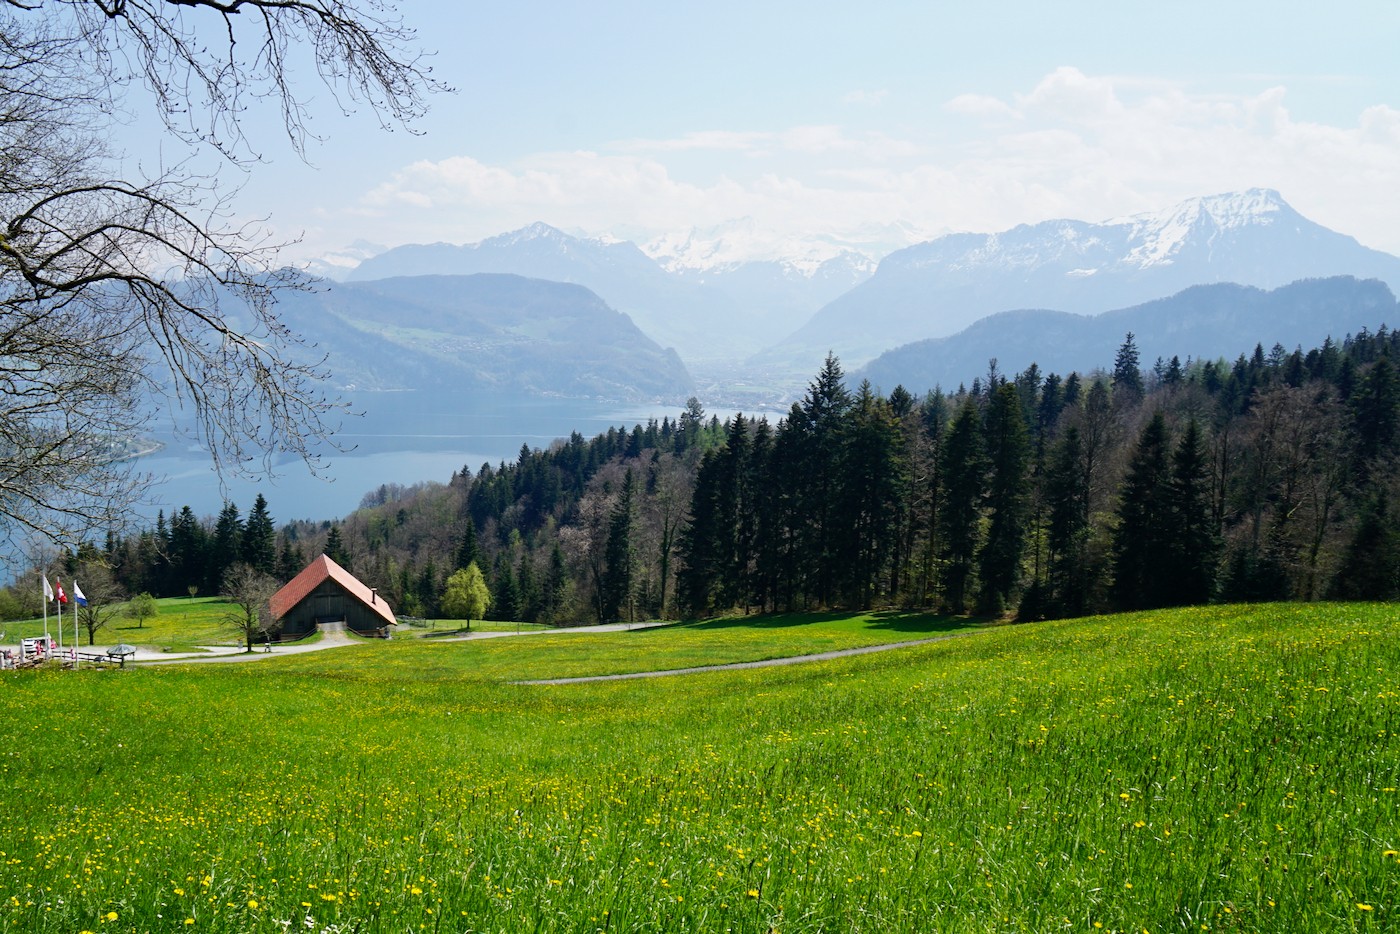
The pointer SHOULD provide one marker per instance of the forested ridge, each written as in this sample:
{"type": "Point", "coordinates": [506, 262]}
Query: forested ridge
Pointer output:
{"type": "Point", "coordinates": [1268, 478]}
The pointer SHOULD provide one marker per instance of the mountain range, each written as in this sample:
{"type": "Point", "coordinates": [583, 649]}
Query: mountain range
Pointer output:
{"type": "Point", "coordinates": [754, 330]}
{"type": "Point", "coordinates": [490, 333]}
{"type": "Point", "coordinates": [1203, 322]}
{"type": "Point", "coordinates": [935, 289]}
{"type": "Point", "coordinates": [718, 313]}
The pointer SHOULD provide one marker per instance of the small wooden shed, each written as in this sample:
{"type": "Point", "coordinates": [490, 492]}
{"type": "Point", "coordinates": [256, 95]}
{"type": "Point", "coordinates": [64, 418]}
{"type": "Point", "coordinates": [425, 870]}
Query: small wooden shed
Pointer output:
{"type": "Point", "coordinates": [325, 595]}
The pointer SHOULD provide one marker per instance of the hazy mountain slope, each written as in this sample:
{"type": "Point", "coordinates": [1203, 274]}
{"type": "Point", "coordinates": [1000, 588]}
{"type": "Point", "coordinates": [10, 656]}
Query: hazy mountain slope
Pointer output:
{"type": "Point", "coordinates": [491, 332]}
{"type": "Point", "coordinates": [1202, 322]}
{"type": "Point", "coordinates": [937, 288]}
{"type": "Point", "coordinates": [723, 313]}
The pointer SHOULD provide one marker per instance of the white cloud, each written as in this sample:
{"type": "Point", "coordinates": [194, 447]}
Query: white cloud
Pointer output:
{"type": "Point", "coordinates": [1073, 145]}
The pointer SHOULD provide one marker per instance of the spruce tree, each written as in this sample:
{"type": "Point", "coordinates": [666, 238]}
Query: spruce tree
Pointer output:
{"type": "Point", "coordinates": [823, 413]}
{"type": "Point", "coordinates": [1008, 456]}
{"type": "Point", "coordinates": [1370, 569]}
{"type": "Point", "coordinates": [1067, 527]}
{"type": "Point", "coordinates": [467, 551]}
{"type": "Point", "coordinates": [963, 470]}
{"type": "Point", "coordinates": [1141, 545]}
{"type": "Point", "coordinates": [1192, 537]}
{"type": "Point", "coordinates": [259, 545]}
{"type": "Point", "coordinates": [1127, 374]}
{"type": "Point", "coordinates": [335, 548]}
{"type": "Point", "coordinates": [866, 497]}
{"type": "Point", "coordinates": [225, 548]}
{"type": "Point", "coordinates": [620, 578]}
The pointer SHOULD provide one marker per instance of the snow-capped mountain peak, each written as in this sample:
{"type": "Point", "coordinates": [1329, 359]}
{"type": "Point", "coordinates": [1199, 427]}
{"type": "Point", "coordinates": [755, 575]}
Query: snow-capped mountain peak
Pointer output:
{"type": "Point", "coordinates": [737, 242]}
{"type": "Point", "coordinates": [539, 230]}
{"type": "Point", "coordinates": [1156, 238]}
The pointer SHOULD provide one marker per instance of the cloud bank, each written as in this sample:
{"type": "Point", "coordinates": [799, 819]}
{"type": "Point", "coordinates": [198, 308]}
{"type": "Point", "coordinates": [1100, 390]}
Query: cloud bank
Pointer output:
{"type": "Point", "coordinates": [1074, 145]}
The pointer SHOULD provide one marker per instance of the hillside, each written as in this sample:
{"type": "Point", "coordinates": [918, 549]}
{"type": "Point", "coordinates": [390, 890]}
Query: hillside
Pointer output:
{"type": "Point", "coordinates": [1202, 323]}
{"type": "Point", "coordinates": [493, 333]}
{"type": "Point", "coordinates": [716, 314]}
{"type": "Point", "coordinates": [936, 289]}
{"type": "Point", "coordinates": [1227, 767]}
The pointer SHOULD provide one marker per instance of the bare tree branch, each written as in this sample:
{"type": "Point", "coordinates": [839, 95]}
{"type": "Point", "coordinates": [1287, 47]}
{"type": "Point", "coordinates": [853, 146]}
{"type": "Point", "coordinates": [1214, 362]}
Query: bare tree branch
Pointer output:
{"type": "Point", "coordinates": [115, 290]}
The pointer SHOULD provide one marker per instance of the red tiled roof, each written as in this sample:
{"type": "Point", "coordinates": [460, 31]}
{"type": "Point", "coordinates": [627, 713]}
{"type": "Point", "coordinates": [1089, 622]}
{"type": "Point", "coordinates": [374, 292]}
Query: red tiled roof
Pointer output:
{"type": "Point", "coordinates": [311, 577]}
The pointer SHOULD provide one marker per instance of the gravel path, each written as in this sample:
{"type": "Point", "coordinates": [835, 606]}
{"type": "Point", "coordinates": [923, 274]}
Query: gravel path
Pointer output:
{"type": "Point", "coordinates": [766, 663]}
{"type": "Point", "coordinates": [334, 640]}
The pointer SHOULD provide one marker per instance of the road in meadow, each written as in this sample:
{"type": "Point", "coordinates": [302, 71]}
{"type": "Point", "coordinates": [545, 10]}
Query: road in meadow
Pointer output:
{"type": "Point", "coordinates": [765, 663]}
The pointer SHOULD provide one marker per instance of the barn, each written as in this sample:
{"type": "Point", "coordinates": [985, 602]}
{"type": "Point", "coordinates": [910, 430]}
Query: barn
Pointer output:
{"type": "Point", "coordinates": [325, 595]}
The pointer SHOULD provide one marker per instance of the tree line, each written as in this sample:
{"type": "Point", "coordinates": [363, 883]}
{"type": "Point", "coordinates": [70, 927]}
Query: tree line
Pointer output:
{"type": "Point", "coordinates": [1266, 478]}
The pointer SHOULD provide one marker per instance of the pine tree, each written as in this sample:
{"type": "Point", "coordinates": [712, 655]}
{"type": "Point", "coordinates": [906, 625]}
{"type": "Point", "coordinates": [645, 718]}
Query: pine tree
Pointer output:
{"type": "Point", "coordinates": [1127, 374]}
{"type": "Point", "coordinates": [701, 541]}
{"type": "Point", "coordinates": [620, 578]}
{"type": "Point", "coordinates": [823, 412]}
{"type": "Point", "coordinates": [335, 548]}
{"type": "Point", "coordinates": [1370, 569]}
{"type": "Point", "coordinates": [1141, 545]}
{"type": "Point", "coordinates": [467, 551]}
{"type": "Point", "coordinates": [960, 511]}
{"type": "Point", "coordinates": [290, 560]}
{"type": "Point", "coordinates": [225, 548]}
{"type": "Point", "coordinates": [259, 545]}
{"type": "Point", "coordinates": [1192, 538]}
{"type": "Point", "coordinates": [187, 552]}
{"type": "Point", "coordinates": [1067, 498]}
{"type": "Point", "coordinates": [1008, 456]}
{"type": "Point", "coordinates": [1375, 407]}
{"type": "Point", "coordinates": [504, 595]}
{"type": "Point", "coordinates": [867, 496]}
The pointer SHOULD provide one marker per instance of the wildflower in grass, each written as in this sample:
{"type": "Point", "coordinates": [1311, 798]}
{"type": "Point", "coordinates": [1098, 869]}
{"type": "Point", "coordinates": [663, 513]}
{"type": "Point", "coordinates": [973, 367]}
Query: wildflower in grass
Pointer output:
{"type": "Point", "coordinates": [1363, 906]}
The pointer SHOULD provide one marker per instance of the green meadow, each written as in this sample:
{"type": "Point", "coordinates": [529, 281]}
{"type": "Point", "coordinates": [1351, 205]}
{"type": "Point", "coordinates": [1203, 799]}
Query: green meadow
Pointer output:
{"type": "Point", "coordinates": [180, 624]}
{"type": "Point", "coordinates": [1221, 768]}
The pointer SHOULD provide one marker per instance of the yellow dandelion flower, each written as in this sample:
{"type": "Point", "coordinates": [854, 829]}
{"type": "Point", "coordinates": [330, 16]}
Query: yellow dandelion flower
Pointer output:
{"type": "Point", "coordinates": [1363, 906]}
{"type": "Point", "coordinates": [753, 893]}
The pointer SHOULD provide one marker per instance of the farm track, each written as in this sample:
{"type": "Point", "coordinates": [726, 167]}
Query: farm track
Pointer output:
{"type": "Point", "coordinates": [765, 663]}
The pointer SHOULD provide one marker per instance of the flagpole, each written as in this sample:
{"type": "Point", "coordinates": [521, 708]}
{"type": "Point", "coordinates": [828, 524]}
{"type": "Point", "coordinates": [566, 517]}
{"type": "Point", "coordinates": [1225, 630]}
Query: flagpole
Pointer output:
{"type": "Point", "coordinates": [47, 598]}
{"type": "Point", "coordinates": [76, 589]}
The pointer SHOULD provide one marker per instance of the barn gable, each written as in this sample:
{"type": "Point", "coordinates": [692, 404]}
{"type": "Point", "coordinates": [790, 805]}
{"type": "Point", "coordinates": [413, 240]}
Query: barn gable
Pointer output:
{"type": "Point", "coordinates": [325, 593]}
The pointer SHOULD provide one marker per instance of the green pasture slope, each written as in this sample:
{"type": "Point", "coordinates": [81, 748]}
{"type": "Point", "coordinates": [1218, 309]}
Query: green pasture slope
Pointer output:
{"type": "Point", "coordinates": [1230, 768]}
{"type": "Point", "coordinates": [180, 624]}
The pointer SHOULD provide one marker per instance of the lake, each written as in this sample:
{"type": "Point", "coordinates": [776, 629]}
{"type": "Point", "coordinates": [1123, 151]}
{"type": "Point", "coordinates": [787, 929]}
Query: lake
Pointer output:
{"type": "Point", "coordinates": [402, 437]}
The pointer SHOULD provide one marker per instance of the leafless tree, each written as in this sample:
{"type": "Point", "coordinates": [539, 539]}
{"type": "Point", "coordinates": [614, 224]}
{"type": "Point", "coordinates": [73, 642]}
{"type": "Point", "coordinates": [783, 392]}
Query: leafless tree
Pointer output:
{"type": "Point", "coordinates": [249, 590]}
{"type": "Point", "coordinates": [103, 597]}
{"type": "Point", "coordinates": [115, 290]}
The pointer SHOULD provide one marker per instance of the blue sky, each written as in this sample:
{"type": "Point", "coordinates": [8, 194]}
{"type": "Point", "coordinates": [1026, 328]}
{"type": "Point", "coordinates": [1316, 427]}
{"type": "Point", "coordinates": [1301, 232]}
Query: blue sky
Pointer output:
{"type": "Point", "coordinates": [861, 124]}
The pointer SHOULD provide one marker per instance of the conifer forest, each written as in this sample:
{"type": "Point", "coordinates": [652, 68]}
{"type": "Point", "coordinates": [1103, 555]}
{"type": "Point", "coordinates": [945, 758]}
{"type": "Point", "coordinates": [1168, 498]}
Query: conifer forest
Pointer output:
{"type": "Point", "coordinates": [1031, 494]}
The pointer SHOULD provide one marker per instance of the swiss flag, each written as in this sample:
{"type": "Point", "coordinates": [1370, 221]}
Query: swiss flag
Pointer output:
{"type": "Point", "coordinates": [58, 591]}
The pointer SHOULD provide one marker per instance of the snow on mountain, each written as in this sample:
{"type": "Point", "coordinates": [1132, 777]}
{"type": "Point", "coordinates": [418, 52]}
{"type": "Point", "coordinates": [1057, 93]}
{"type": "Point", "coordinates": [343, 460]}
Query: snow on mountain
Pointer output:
{"type": "Point", "coordinates": [936, 288]}
{"type": "Point", "coordinates": [1156, 238]}
{"type": "Point", "coordinates": [340, 263]}
{"type": "Point", "coordinates": [743, 241]}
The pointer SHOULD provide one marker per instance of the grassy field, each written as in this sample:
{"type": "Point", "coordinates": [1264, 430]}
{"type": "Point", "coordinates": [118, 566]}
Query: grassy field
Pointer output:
{"type": "Point", "coordinates": [1229, 768]}
{"type": "Point", "coordinates": [180, 624]}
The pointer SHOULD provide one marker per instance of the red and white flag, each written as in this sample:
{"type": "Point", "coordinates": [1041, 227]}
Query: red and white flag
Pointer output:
{"type": "Point", "coordinates": [58, 586]}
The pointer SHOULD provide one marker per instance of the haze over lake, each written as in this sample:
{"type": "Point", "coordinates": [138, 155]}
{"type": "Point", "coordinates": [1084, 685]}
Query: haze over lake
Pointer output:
{"type": "Point", "coordinates": [401, 437]}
